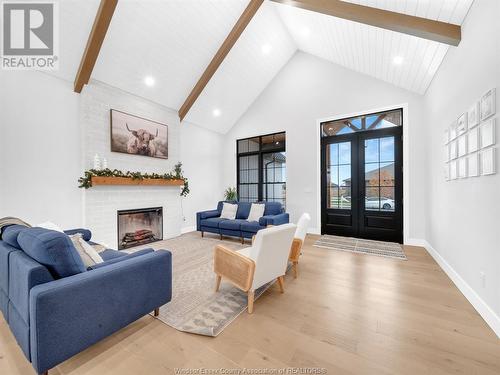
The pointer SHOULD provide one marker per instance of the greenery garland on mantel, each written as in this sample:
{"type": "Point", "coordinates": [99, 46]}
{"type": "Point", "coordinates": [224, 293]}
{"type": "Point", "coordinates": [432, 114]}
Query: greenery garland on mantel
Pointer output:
{"type": "Point", "coordinates": [176, 174]}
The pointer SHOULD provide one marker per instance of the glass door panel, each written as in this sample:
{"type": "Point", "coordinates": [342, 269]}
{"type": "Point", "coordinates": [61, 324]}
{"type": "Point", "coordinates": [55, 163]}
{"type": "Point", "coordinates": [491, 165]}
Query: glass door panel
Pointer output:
{"type": "Point", "coordinates": [339, 175]}
{"type": "Point", "coordinates": [379, 174]}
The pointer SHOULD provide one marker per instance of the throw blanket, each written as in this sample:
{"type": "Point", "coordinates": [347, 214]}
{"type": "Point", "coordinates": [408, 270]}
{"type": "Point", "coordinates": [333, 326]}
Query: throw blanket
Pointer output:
{"type": "Point", "coordinates": [6, 221]}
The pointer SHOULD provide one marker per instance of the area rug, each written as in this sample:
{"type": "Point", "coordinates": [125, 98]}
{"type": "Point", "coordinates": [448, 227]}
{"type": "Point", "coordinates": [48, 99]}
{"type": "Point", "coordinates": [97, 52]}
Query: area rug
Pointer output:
{"type": "Point", "coordinates": [195, 306]}
{"type": "Point", "coordinates": [356, 245]}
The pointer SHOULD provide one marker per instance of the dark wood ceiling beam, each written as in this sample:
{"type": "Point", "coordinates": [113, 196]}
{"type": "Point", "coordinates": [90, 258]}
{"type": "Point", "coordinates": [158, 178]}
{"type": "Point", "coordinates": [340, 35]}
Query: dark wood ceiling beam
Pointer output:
{"type": "Point", "coordinates": [94, 43]}
{"type": "Point", "coordinates": [417, 26]}
{"type": "Point", "coordinates": [221, 54]}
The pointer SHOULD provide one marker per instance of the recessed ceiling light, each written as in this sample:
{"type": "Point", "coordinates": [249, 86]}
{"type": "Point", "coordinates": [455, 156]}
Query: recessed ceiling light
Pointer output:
{"type": "Point", "coordinates": [398, 60]}
{"type": "Point", "coordinates": [266, 48]}
{"type": "Point", "coordinates": [216, 112]}
{"type": "Point", "coordinates": [149, 81]}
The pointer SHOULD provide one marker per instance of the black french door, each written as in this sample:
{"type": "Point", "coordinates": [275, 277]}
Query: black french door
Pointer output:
{"type": "Point", "coordinates": [362, 184]}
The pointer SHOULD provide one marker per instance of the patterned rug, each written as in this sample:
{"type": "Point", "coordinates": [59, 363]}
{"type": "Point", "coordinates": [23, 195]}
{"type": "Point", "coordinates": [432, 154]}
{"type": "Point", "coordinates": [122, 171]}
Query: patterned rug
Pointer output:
{"type": "Point", "coordinates": [195, 307]}
{"type": "Point", "coordinates": [356, 245]}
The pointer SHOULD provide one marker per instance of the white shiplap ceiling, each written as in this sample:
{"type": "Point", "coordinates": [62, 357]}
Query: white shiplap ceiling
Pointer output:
{"type": "Point", "coordinates": [174, 41]}
{"type": "Point", "coordinates": [371, 50]}
{"type": "Point", "coordinates": [245, 72]}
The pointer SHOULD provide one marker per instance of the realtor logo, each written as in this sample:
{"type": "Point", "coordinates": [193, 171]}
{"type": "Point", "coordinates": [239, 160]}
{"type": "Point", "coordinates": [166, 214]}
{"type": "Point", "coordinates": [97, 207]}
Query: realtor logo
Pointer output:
{"type": "Point", "coordinates": [30, 35]}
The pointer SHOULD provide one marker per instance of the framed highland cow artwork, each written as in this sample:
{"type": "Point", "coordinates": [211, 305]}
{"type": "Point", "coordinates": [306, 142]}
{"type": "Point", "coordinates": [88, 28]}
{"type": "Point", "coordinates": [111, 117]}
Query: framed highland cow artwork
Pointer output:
{"type": "Point", "coordinates": [138, 136]}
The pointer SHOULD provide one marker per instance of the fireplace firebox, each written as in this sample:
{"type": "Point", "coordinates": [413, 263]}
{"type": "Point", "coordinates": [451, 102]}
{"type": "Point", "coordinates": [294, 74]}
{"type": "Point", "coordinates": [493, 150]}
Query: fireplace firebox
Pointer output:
{"type": "Point", "coordinates": [139, 226]}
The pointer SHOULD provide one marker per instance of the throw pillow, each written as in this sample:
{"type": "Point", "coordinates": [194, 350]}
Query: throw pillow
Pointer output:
{"type": "Point", "coordinates": [256, 211]}
{"type": "Point", "coordinates": [89, 255]}
{"type": "Point", "coordinates": [49, 225]}
{"type": "Point", "coordinates": [228, 211]}
{"type": "Point", "coordinates": [52, 249]}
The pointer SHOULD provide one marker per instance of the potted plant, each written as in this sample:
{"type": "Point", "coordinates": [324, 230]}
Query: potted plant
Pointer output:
{"type": "Point", "coordinates": [230, 194]}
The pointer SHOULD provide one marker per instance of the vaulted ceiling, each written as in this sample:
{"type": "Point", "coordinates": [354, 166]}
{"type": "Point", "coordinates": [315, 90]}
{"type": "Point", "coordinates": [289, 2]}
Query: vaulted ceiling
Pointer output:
{"type": "Point", "coordinates": [174, 41]}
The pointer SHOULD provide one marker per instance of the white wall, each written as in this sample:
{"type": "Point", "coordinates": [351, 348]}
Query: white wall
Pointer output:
{"type": "Point", "coordinates": [308, 89]}
{"type": "Point", "coordinates": [462, 221]}
{"type": "Point", "coordinates": [40, 149]}
{"type": "Point", "coordinates": [201, 155]}
{"type": "Point", "coordinates": [101, 203]}
{"type": "Point", "coordinates": [49, 135]}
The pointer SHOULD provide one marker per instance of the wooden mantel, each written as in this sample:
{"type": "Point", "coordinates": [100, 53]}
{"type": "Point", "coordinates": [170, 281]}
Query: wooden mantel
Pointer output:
{"type": "Point", "coordinates": [101, 180]}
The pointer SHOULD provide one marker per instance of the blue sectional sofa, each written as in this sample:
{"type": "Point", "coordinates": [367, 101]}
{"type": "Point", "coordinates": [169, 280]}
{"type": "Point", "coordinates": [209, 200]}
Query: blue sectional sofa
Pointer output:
{"type": "Point", "coordinates": [210, 221]}
{"type": "Point", "coordinates": [56, 308]}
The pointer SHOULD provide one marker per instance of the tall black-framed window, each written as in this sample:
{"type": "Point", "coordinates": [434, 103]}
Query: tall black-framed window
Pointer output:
{"type": "Point", "coordinates": [261, 168]}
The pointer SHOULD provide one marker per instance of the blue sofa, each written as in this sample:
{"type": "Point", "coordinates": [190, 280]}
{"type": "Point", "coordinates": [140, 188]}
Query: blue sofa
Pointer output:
{"type": "Point", "coordinates": [210, 221]}
{"type": "Point", "coordinates": [56, 308]}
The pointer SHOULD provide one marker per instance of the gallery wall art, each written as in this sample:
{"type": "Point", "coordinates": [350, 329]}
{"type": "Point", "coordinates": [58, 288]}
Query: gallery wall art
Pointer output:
{"type": "Point", "coordinates": [470, 141]}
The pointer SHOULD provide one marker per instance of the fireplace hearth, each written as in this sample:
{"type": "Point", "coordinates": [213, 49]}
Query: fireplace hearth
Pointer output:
{"type": "Point", "coordinates": [139, 226]}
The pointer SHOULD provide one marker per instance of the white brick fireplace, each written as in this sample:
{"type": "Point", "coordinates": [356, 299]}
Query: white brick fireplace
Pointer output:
{"type": "Point", "coordinates": [101, 203]}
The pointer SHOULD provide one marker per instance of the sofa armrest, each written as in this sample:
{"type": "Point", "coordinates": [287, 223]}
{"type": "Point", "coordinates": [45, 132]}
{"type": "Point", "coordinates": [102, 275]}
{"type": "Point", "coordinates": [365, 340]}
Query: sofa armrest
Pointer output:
{"type": "Point", "coordinates": [274, 219]}
{"type": "Point", "coordinates": [205, 215]}
{"type": "Point", "coordinates": [233, 266]}
{"type": "Point", "coordinates": [86, 234]}
{"type": "Point", "coordinates": [120, 259]}
{"type": "Point", "coordinates": [209, 214]}
{"type": "Point", "coordinates": [70, 314]}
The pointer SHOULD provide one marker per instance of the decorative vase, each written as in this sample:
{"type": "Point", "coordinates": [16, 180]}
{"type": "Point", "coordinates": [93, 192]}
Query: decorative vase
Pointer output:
{"type": "Point", "coordinates": [97, 162]}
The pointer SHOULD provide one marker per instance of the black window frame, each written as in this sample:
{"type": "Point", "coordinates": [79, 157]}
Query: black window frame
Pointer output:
{"type": "Point", "coordinates": [260, 154]}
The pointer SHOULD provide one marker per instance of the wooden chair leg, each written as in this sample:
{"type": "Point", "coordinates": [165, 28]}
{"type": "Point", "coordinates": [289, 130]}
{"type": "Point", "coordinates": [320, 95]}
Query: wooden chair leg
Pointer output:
{"type": "Point", "coordinates": [202, 234]}
{"type": "Point", "coordinates": [242, 241]}
{"type": "Point", "coordinates": [157, 311]}
{"type": "Point", "coordinates": [295, 269]}
{"type": "Point", "coordinates": [45, 373]}
{"type": "Point", "coordinates": [221, 236]}
{"type": "Point", "coordinates": [251, 297]}
{"type": "Point", "coordinates": [218, 278]}
{"type": "Point", "coordinates": [281, 282]}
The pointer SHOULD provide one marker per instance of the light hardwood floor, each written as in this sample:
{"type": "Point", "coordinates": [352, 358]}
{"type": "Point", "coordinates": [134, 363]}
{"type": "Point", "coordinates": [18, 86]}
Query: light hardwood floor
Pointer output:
{"type": "Point", "coordinates": [348, 313]}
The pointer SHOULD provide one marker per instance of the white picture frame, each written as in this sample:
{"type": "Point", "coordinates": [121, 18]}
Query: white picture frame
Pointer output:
{"type": "Point", "coordinates": [453, 170]}
{"type": "Point", "coordinates": [446, 171]}
{"type": "Point", "coordinates": [462, 124]}
{"type": "Point", "coordinates": [473, 165]}
{"type": "Point", "coordinates": [462, 145]}
{"type": "Point", "coordinates": [473, 140]}
{"type": "Point", "coordinates": [488, 164]}
{"type": "Point", "coordinates": [446, 136]}
{"type": "Point", "coordinates": [488, 104]}
{"type": "Point", "coordinates": [453, 131]}
{"type": "Point", "coordinates": [487, 133]}
{"type": "Point", "coordinates": [473, 115]}
{"type": "Point", "coordinates": [453, 150]}
{"type": "Point", "coordinates": [446, 153]}
{"type": "Point", "coordinates": [462, 168]}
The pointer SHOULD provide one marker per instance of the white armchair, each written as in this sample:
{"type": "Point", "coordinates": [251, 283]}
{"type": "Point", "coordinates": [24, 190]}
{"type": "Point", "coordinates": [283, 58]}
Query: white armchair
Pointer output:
{"type": "Point", "coordinates": [298, 242]}
{"type": "Point", "coordinates": [252, 267]}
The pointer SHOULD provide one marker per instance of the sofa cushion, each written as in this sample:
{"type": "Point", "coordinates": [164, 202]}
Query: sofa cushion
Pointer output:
{"type": "Point", "coordinates": [88, 254]}
{"type": "Point", "coordinates": [273, 208]}
{"type": "Point", "coordinates": [229, 211]}
{"type": "Point", "coordinates": [243, 210]}
{"type": "Point", "coordinates": [86, 234]}
{"type": "Point", "coordinates": [232, 224]}
{"type": "Point", "coordinates": [109, 254]}
{"type": "Point", "coordinates": [126, 256]}
{"type": "Point", "coordinates": [256, 211]}
{"type": "Point", "coordinates": [251, 226]}
{"type": "Point", "coordinates": [52, 249]}
{"type": "Point", "coordinates": [212, 222]}
{"type": "Point", "coordinates": [10, 234]}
